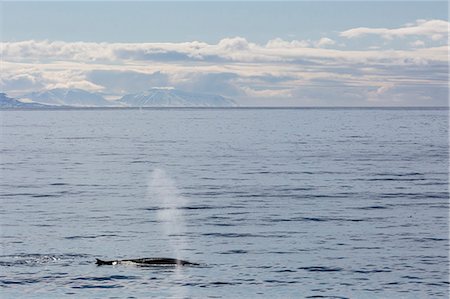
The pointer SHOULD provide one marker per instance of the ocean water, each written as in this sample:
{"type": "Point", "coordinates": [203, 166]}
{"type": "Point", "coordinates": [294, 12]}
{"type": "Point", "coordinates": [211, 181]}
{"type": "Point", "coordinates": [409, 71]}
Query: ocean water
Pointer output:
{"type": "Point", "coordinates": [273, 203]}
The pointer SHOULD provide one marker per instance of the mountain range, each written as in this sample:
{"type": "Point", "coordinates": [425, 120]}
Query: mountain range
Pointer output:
{"type": "Point", "coordinates": [164, 97]}
{"type": "Point", "coordinates": [7, 102]}
{"type": "Point", "coordinates": [154, 97]}
{"type": "Point", "coordinates": [67, 97]}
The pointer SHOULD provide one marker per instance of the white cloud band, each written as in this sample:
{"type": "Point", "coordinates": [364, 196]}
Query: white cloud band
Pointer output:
{"type": "Point", "coordinates": [434, 29]}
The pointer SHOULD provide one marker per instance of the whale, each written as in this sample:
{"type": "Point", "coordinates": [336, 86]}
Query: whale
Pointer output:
{"type": "Point", "coordinates": [158, 261]}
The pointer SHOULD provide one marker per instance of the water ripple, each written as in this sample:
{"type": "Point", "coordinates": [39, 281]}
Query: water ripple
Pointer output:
{"type": "Point", "coordinates": [321, 269]}
{"type": "Point", "coordinates": [106, 278]}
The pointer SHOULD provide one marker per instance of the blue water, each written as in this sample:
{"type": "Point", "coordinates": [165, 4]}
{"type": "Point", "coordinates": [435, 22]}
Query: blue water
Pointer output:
{"type": "Point", "coordinates": [274, 203]}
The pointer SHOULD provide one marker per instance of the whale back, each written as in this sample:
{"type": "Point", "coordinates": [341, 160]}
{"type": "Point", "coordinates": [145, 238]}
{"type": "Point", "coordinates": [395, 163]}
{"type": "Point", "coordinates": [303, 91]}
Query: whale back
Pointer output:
{"type": "Point", "coordinates": [147, 261]}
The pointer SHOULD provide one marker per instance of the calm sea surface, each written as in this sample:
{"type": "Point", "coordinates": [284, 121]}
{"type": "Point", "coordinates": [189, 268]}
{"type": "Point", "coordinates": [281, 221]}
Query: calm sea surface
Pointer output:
{"type": "Point", "coordinates": [274, 203]}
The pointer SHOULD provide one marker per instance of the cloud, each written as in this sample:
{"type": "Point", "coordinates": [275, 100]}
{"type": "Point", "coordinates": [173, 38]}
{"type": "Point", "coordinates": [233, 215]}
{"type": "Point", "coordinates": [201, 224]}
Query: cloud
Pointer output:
{"type": "Point", "coordinates": [324, 41]}
{"type": "Point", "coordinates": [33, 51]}
{"type": "Point", "coordinates": [122, 82]}
{"type": "Point", "coordinates": [28, 78]}
{"type": "Point", "coordinates": [234, 44]}
{"type": "Point", "coordinates": [227, 50]}
{"type": "Point", "coordinates": [434, 29]}
{"type": "Point", "coordinates": [409, 95]}
{"type": "Point", "coordinates": [272, 79]}
{"type": "Point", "coordinates": [280, 43]}
{"type": "Point", "coordinates": [81, 84]}
{"type": "Point", "coordinates": [417, 43]}
{"type": "Point", "coordinates": [150, 54]}
{"type": "Point", "coordinates": [223, 83]}
{"type": "Point", "coordinates": [311, 72]}
{"type": "Point", "coordinates": [337, 93]}
{"type": "Point", "coordinates": [268, 93]}
{"type": "Point", "coordinates": [22, 82]}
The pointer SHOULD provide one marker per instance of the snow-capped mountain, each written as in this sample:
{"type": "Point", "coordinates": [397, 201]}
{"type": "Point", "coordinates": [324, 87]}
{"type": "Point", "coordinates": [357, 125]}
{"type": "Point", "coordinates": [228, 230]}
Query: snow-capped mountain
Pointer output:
{"type": "Point", "coordinates": [68, 97]}
{"type": "Point", "coordinates": [167, 97]}
{"type": "Point", "coordinates": [7, 102]}
{"type": "Point", "coordinates": [155, 97]}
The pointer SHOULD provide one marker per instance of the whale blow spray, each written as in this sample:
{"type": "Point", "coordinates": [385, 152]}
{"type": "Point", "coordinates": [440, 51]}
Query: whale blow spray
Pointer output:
{"type": "Point", "coordinates": [165, 195]}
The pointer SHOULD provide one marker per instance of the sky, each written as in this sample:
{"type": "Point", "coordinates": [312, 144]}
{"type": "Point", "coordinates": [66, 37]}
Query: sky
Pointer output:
{"type": "Point", "coordinates": [296, 53]}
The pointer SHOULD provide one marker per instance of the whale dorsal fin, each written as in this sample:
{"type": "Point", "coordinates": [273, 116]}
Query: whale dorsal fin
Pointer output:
{"type": "Point", "coordinates": [100, 262]}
